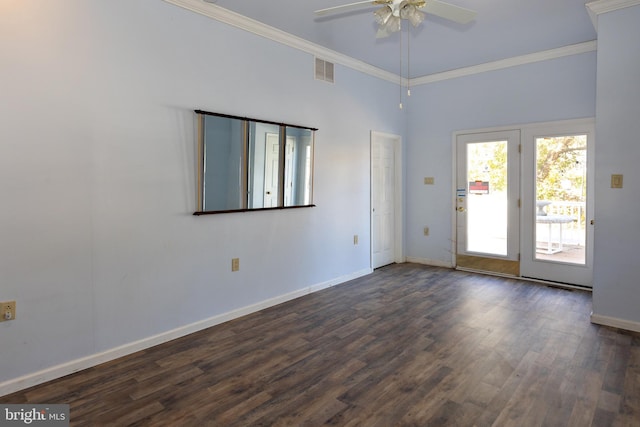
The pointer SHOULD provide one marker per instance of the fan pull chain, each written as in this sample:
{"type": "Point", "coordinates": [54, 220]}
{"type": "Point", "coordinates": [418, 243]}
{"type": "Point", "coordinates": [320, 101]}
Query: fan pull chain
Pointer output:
{"type": "Point", "coordinates": [400, 66]}
{"type": "Point", "coordinates": [408, 60]}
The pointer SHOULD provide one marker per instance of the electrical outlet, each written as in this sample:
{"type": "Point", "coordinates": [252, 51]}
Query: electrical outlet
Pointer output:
{"type": "Point", "coordinates": [7, 311]}
{"type": "Point", "coordinates": [235, 264]}
{"type": "Point", "coordinates": [426, 231]}
{"type": "Point", "coordinates": [355, 239]}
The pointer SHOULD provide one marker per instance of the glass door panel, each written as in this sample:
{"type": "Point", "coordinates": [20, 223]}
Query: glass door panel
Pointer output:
{"type": "Point", "coordinates": [487, 205]}
{"type": "Point", "coordinates": [561, 196]}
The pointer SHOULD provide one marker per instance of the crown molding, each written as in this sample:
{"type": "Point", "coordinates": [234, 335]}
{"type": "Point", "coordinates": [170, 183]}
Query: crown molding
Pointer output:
{"type": "Point", "coordinates": [599, 7]}
{"type": "Point", "coordinates": [240, 21]}
{"type": "Point", "coordinates": [545, 55]}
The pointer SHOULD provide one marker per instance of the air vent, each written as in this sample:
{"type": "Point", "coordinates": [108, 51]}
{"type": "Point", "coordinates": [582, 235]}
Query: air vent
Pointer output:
{"type": "Point", "coordinates": [324, 70]}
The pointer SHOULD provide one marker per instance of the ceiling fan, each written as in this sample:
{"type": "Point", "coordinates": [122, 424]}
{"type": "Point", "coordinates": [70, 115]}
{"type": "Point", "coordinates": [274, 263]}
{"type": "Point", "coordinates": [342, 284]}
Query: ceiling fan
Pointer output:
{"type": "Point", "coordinates": [391, 13]}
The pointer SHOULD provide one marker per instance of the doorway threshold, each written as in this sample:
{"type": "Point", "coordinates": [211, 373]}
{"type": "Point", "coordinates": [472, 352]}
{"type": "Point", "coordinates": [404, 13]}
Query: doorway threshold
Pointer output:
{"type": "Point", "coordinates": [549, 283]}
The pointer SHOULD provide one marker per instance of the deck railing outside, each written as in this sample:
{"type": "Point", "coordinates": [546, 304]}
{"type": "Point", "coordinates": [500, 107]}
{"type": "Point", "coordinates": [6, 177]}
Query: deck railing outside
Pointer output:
{"type": "Point", "coordinates": [573, 232]}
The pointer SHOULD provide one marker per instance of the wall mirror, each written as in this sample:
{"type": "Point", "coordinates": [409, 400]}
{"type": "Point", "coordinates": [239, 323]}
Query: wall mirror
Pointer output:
{"type": "Point", "coordinates": [248, 164]}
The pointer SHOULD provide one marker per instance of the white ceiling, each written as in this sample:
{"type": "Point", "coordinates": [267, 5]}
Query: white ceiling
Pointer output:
{"type": "Point", "coordinates": [503, 29]}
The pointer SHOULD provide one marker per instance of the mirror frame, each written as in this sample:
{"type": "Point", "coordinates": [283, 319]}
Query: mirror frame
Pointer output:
{"type": "Point", "coordinates": [245, 167]}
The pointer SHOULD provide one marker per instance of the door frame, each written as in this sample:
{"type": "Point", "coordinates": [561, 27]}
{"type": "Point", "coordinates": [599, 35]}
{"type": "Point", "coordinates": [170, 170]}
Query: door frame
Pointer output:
{"type": "Point", "coordinates": [398, 151]}
{"type": "Point", "coordinates": [508, 263]}
{"type": "Point", "coordinates": [587, 123]}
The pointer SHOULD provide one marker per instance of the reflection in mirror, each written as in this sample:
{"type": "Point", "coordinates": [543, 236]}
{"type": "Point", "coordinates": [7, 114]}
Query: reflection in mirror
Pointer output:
{"type": "Point", "coordinates": [297, 166]}
{"type": "Point", "coordinates": [222, 166]}
{"type": "Point", "coordinates": [264, 160]}
{"type": "Point", "coordinates": [250, 164]}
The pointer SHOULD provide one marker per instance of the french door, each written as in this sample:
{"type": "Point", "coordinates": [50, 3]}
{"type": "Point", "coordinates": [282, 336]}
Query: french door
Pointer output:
{"type": "Point", "coordinates": [557, 207]}
{"type": "Point", "coordinates": [487, 193]}
{"type": "Point", "coordinates": [524, 202]}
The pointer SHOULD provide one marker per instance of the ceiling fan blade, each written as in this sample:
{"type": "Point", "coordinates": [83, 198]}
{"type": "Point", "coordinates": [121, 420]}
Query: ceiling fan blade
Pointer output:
{"type": "Point", "coordinates": [448, 11]}
{"type": "Point", "coordinates": [345, 7]}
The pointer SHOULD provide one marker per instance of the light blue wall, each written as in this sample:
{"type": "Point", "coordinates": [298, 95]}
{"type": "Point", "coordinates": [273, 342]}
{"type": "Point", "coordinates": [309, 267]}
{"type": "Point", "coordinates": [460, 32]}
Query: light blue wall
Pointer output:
{"type": "Point", "coordinates": [552, 90]}
{"type": "Point", "coordinates": [616, 291]}
{"type": "Point", "coordinates": [99, 245]}
{"type": "Point", "coordinates": [98, 159]}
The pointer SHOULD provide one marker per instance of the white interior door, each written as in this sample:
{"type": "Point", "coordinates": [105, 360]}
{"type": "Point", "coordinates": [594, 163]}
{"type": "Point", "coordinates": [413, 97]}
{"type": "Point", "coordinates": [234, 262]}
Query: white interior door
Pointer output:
{"type": "Point", "coordinates": [487, 201]}
{"type": "Point", "coordinates": [557, 208]}
{"type": "Point", "coordinates": [272, 159]}
{"type": "Point", "coordinates": [383, 199]}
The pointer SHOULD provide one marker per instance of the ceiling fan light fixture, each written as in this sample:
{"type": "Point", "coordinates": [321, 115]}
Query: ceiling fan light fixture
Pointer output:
{"type": "Point", "coordinates": [409, 11]}
{"type": "Point", "coordinates": [383, 14]}
{"type": "Point", "coordinates": [392, 25]}
{"type": "Point", "coordinates": [415, 17]}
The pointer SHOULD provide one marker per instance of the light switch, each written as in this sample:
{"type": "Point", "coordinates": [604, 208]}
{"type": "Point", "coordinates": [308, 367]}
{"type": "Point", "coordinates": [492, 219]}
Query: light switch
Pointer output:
{"type": "Point", "coordinates": [616, 181]}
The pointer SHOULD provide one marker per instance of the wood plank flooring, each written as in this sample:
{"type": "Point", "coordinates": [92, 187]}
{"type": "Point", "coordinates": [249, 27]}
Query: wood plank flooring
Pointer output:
{"type": "Point", "coordinates": [408, 345]}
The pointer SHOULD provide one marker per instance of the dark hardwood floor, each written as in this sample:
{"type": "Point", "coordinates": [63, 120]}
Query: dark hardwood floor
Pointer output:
{"type": "Point", "coordinates": [409, 345]}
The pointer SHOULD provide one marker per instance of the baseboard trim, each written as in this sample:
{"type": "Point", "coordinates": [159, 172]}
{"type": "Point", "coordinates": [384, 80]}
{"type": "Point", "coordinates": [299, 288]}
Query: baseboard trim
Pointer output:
{"type": "Point", "coordinates": [615, 322]}
{"type": "Point", "coordinates": [73, 366]}
{"type": "Point", "coordinates": [339, 280]}
{"type": "Point", "coordinates": [431, 262]}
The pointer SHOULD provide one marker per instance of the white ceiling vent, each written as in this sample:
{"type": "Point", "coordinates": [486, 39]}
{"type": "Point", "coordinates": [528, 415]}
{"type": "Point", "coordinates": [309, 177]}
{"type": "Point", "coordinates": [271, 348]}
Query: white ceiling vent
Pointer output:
{"type": "Point", "coordinates": [324, 70]}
